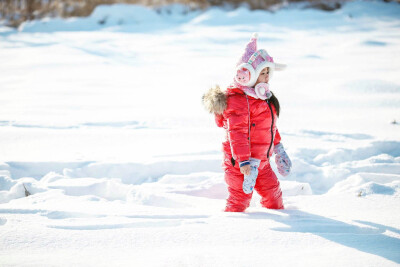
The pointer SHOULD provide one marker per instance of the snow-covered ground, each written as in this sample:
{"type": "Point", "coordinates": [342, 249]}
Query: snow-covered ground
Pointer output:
{"type": "Point", "coordinates": [101, 120]}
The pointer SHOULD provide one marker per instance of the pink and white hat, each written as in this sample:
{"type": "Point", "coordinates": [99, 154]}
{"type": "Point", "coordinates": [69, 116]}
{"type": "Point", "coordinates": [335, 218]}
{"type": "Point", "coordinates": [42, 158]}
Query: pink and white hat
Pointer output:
{"type": "Point", "coordinates": [252, 62]}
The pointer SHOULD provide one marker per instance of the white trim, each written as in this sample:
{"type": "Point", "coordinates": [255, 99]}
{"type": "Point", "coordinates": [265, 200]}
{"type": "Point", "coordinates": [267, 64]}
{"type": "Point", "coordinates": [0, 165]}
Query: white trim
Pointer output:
{"type": "Point", "coordinates": [255, 73]}
{"type": "Point", "coordinates": [260, 67]}
{"type": "Point", "coordinates": [263, 65]}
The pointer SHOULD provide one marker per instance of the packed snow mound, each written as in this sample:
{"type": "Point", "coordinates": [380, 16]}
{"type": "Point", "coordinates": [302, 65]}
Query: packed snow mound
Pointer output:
{"type": "Point", "coordinates": [362, 184]}
{"type": "Point", "coordinates": [365, 170]}
{"type": "Point", "coordinates": [376, 152]}
{"type": "Point", "coordinates": [124, 14]}
{"type": "Point", "coordinates": [102, 127]}
{"type": "Point", "coordinates": [323, 168]}
{"type": "Point", "coordinates": [116, 17]}
{"type": "Point", "coordinates": [293, 188]}
{"type": "Point", "coordinates": [173, 191]}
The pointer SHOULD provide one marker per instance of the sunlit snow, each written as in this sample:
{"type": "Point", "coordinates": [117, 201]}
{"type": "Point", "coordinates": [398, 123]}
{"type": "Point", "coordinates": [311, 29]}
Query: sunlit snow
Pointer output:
{"type": "Point", "coordinates": [101, 121]}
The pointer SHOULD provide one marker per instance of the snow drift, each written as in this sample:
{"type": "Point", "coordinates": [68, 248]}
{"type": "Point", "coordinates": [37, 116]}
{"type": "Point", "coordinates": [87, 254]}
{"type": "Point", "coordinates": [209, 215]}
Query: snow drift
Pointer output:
{"type": "Point", "coordinates": [101, 122]}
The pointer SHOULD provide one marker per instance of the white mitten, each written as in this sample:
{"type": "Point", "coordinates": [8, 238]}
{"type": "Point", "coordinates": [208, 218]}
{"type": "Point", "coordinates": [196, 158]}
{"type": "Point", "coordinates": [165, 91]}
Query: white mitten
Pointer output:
{"type": "Point", "coordinates": [250, 180]}
{"type": "Point", "coordinates": [282, 160]}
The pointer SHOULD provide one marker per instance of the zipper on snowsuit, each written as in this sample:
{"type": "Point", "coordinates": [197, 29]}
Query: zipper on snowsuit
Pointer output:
{"type": "Point", "coordinates": [272, 132]}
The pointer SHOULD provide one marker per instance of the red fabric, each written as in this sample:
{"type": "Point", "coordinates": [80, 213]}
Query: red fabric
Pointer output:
{"type": "Point", "coordinates": [237, 118]}
{"type": "Point", "coordinates": [248, 126]}
{"type": "Point", "coordinates": [267, 186]}
{"type": "Point", "coordinates": [219, 120]}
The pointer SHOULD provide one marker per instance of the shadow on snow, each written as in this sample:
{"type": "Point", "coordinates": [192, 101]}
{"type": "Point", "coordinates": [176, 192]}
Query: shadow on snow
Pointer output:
{"type": "Point", "coordinates": [365, 239]}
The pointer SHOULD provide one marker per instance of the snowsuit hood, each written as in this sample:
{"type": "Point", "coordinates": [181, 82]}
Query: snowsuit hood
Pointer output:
{"type": "Point", "coordinates": [215, 100]}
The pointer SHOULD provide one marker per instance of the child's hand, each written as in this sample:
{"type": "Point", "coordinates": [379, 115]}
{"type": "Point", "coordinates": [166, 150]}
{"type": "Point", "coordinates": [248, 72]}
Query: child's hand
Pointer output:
{"type": "Point", "coordinates": [245, 169]}
{"type": "Point", "coordinates": [249, 180]}
{"type": "Point", "coordinates": [282, 160]}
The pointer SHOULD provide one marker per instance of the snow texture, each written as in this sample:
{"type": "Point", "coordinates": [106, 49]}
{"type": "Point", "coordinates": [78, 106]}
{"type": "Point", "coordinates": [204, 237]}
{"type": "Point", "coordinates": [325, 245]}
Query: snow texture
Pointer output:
{"type": "Point", "coordinates": [101, 122]}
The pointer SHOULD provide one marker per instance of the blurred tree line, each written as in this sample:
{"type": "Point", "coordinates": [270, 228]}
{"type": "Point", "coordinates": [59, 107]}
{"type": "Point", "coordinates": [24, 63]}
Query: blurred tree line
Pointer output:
{"type": "Point", "coordinates": [14, 12]}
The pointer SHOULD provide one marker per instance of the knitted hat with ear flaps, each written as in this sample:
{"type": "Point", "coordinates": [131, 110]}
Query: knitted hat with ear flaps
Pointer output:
{"type": "Point", "coordinates": [252, 62]}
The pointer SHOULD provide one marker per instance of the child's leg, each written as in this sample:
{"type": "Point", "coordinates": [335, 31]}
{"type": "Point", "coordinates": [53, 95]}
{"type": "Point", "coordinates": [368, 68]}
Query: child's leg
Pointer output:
{"type": "Point", "coordinates": [267, 186]}
{"type": "Point", "coordinates": [237, 201]}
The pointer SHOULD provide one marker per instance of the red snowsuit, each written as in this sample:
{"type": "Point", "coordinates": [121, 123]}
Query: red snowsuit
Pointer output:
{"type": "Point", "coordinates": [251, 131]}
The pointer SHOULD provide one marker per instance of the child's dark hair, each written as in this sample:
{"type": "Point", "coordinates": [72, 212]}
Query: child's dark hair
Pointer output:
{"type": "Point", "coordinates": [275, 102]}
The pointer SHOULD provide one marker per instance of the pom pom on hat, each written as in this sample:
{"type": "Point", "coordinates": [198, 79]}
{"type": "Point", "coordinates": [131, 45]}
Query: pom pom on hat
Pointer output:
{"type": "Point", "coordinates": [254, 61]}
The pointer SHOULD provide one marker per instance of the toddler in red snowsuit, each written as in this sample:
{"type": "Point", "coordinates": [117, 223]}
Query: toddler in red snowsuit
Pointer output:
{"type": "Point", "coordinates": [248, 111]}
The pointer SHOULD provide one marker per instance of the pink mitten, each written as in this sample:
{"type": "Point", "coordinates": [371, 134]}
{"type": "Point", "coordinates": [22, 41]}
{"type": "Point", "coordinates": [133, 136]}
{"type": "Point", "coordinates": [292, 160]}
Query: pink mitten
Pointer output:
{"type": "Point", "coordinates": [282, 160]}
{"type": "Point", "coordinates": [243, 76]}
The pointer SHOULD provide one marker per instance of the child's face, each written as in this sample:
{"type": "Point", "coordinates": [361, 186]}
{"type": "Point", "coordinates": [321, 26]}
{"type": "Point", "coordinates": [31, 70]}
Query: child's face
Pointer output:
{"type": "Point", "coordinates": [264, 76]}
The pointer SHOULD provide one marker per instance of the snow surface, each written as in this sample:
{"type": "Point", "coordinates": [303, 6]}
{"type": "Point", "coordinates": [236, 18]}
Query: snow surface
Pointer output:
{"type": "Point", "coordinates": [101, 121]}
